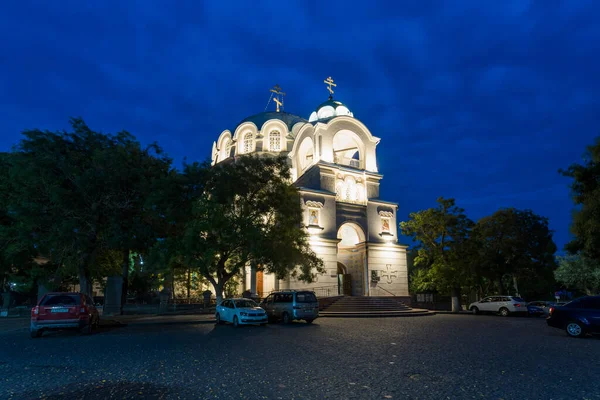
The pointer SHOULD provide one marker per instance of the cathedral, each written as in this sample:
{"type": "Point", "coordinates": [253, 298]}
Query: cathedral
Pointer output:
{"type": "Point", "coordinates": [333, 159]}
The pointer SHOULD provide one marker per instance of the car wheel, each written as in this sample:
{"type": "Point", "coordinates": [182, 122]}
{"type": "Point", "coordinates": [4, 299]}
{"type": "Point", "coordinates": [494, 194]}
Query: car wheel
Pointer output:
{"type": "Point", "coordinates": [475, 310]}
{"type": "Point", "coordinates": [218, 319]}
{"type": "Point", "coordinates": [574, 329]}
{"type": "Point", "coordinates": [504, 312]}
{"type": "Point", "coordinates": [236, 323]}
{"type": "Point", "coordinates": [309, 321]}
{"type": "Point", "coordinates": [35, 333]}
{"type": "Point", "coordinates": [285, 317]}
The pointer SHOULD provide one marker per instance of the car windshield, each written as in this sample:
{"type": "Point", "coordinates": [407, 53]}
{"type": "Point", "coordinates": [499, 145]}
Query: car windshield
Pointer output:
{"type": "Point", "coordinates": [61, 300]}
{"type": "Point", "coordinates": [245, 304]}
{"type": "Point", "coordinates": [306, 297]}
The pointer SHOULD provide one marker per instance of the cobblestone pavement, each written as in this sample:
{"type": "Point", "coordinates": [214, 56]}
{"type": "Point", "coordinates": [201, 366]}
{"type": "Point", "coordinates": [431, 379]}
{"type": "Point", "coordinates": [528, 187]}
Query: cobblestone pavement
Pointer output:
{"type": "Point", "coordinates": [437, 357]}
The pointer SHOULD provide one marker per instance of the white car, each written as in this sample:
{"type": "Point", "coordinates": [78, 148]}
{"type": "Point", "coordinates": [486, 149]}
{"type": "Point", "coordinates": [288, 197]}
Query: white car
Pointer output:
{"type": "Point", "coordinates": [503, 305]}
{"type": "Point", "coordinates": [240, 312]}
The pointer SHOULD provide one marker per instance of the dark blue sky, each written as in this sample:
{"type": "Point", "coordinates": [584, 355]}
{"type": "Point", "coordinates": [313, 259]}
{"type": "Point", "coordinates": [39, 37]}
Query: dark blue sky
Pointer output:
{"type": "Point", "coordinates": [482, 101]}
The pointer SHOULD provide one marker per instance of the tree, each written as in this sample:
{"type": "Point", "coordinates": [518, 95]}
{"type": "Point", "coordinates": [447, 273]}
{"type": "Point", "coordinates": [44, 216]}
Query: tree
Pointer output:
{"type": "Point", "coordinates": [79, 197]}
{"type": "Point", "coordinates": [442, 234]}
{"type": "Point", "coordinates": [243, 212]}
{"type": "Point", "coordinates": [586, 195]}
{"type": "Point", "coordinates": [579, 272]}
{"type": "Point", "coordinates": [516, 245]}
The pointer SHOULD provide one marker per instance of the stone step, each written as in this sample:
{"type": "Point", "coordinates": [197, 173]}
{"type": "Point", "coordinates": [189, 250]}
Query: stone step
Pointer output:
{"type": "Point", "coordinates": [364, 307]}
{"type": "Point", "coordinates": [376, 314]}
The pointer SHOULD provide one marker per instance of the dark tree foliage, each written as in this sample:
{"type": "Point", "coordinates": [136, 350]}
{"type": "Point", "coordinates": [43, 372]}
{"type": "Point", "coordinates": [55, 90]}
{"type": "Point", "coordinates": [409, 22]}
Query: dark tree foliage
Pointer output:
{"type": "Point", "coordinates": [442, 261]}
{"type": "Point", "coordinates": [80, 198]}
{"type": "Point", "coordinates": [234, 214]}
{"type": "Point", "coordinates": [515, 247]}
{"type": "Point", "coordinates": [585, 188]}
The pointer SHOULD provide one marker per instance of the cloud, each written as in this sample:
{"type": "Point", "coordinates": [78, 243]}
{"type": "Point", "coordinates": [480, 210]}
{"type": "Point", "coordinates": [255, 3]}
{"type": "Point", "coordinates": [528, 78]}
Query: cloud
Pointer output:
{"type": "Point", "coordinates": [482, 101]}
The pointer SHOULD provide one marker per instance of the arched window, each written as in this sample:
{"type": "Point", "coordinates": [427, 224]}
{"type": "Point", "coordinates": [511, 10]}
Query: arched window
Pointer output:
{"type": "Point", "coordinates": [274, 141]}
{"type": "Point", "coordinates": [225, 149]}
{"type": "Point", "coordinates": [248, 143]}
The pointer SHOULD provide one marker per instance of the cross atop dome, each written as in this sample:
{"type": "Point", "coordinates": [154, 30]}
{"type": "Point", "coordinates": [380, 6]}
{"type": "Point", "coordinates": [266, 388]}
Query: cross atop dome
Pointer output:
{"type": "Point", "coordinates": [330, 83]}
{"type": "Point", "coordinates": [278, 98]}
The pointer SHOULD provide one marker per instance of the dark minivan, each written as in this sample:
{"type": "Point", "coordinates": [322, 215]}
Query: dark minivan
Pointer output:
{"type": "Point", "coordinates": [291, 305]}
{"type": "Point", "coordinates": [578, 318]}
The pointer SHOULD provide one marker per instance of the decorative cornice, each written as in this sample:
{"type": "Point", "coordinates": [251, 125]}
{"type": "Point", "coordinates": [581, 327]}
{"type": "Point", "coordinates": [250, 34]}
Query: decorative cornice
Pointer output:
{"type": "Point", "coordinates": [314, 204]}
{"type": "Point", "coordinates": [387, 214]}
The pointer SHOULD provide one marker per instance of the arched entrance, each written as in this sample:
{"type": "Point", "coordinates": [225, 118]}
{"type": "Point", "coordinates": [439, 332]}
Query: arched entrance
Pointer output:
{"type": "Point", "coordinates": [351, 258]}
{"type": "Point", "coordinates": [344, 280]}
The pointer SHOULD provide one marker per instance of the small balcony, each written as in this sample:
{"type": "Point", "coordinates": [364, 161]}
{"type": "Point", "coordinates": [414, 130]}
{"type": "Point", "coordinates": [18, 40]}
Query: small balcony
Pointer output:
{"type": "Point", "coordinates": [349, 162]}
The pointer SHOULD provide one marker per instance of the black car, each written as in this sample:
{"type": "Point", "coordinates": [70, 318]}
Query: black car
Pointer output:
{"type": "Point", "coordinates": [579, 317]}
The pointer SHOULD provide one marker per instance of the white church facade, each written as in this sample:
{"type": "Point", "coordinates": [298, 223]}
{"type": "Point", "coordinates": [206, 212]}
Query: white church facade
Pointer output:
{"type": "Point", "coordinates": [333, 163]}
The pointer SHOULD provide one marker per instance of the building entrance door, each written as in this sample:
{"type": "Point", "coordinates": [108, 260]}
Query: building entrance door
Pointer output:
{"type": "Point", "coordinates": [344, 280]}
{"type": "Point", "coordinates": [259, 284]}
{"type": "Point", "coordinates": [351, 255]}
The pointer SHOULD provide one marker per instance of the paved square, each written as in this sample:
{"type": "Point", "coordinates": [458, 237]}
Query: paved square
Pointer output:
{"type": "Point", "coordinates": [438, 357]}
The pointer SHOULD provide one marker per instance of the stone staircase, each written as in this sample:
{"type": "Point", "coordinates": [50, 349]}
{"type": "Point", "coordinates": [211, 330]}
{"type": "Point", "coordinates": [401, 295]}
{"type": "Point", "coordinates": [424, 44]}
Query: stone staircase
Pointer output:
{"type": "Point", "coordinates": [370, 307]}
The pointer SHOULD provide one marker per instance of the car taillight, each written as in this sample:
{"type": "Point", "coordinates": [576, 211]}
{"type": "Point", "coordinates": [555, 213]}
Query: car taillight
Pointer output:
{"type": "Point", "coordinates": [35, 311]}
{"type": "Point", "coordinates": [551, 310]}
{"type": "Point", "coordinates": [83, 310]}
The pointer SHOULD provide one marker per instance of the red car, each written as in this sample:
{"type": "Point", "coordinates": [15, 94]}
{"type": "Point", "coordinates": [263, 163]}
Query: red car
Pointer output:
{"type": "Point", "coordinates": [64, 311]}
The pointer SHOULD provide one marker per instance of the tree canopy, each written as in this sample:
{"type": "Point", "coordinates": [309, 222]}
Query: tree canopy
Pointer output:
{"type": "Point", "coordinates": [580, 273]}
{"type": "Point", "coordinates": [442, 234]}
{"type": "Point", "coordinates": [235, 214]}
{"type": "Point", "coordinates": [509, 251]}
{"type": "Point", "coordinates": [585, 188]}
{"type": "Point", "coordinates": [515, 246]}
{"type": "Point", "coordinates": [80, 199]}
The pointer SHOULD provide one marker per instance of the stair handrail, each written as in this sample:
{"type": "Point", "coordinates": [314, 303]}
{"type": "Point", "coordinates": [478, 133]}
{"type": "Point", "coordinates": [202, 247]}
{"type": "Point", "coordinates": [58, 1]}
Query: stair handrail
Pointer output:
{"type": "Point", "coordinates": [387, 291]}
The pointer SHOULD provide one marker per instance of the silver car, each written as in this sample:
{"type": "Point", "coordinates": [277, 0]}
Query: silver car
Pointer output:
{"type": "Point", "coordinates": [288, 306]}
{"type": "Point", "coordinates": [503, 305]}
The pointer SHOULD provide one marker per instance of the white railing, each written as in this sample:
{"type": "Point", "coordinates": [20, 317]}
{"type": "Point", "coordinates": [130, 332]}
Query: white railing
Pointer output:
{"type": "Point", "coordinates": [350, 162]}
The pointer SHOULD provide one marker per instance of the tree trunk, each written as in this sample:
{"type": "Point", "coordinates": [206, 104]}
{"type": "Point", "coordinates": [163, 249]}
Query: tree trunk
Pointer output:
{"type": "Point", "coordinates": [218, 286]}
{"type": "Point", "coordinates": [455, 300]}
{"type": "Point", "coordinates": [125, 272]}
{"type": "Point", "coordinates": [189, 284]}
{"type": "Point", "coordinates": [500, 286]}
{"type": "Point", "coordinates": [84, 285]}
{"type": "Point", "coordinates": [516, 286]}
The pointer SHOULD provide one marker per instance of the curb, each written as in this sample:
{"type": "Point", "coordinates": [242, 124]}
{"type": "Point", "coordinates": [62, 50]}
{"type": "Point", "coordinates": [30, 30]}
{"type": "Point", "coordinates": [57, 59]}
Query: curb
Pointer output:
{"type": "Point", "coordinates": [140, 323]}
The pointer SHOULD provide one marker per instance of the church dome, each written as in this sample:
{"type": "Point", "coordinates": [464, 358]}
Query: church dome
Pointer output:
{"type": "Point", "coordinates": [259, 119]}
{"type": "Point", "coordinates": [331, 108]}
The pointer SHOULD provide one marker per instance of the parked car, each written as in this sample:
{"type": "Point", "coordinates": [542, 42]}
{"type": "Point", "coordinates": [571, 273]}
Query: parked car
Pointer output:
{"type": "Point", "coordinates": [240, 312]}
{"type": "Point", "coordinates": [578, 318]}
{"type": "Point", "coordinates": [535, 311]}
{"type": "Point", "coordinates": [539, 307]}
{"type": "Point", "coordinates": [503, 305]}
{"type": "Point", "coordinates": [288, 306]}
{"type": "Point", "coordinates": [64, 311]}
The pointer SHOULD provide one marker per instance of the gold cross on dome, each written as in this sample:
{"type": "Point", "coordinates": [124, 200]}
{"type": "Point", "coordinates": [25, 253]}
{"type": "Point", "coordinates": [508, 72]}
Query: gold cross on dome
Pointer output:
{"type": "Point", "coordinates": [330, 83]}
{"type": "Point", "coordinates": [278, 98]}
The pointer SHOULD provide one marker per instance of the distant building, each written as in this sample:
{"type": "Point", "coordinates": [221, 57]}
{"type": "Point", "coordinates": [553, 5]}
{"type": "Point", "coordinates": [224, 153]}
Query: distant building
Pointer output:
{"type": "Point", "coordinates": [334, 165]}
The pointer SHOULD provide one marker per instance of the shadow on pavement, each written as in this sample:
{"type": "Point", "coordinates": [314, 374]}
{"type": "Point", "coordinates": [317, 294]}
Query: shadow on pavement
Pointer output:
{"type": "Point", "coordinates": [109, 390]}
{"type": "Point", "coordinates": [105, 326]}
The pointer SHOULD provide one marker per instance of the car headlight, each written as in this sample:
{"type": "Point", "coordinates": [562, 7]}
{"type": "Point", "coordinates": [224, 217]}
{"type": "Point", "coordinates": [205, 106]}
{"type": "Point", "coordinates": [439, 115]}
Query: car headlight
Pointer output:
{"type": "Point", "coordinates": [244, 314]}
